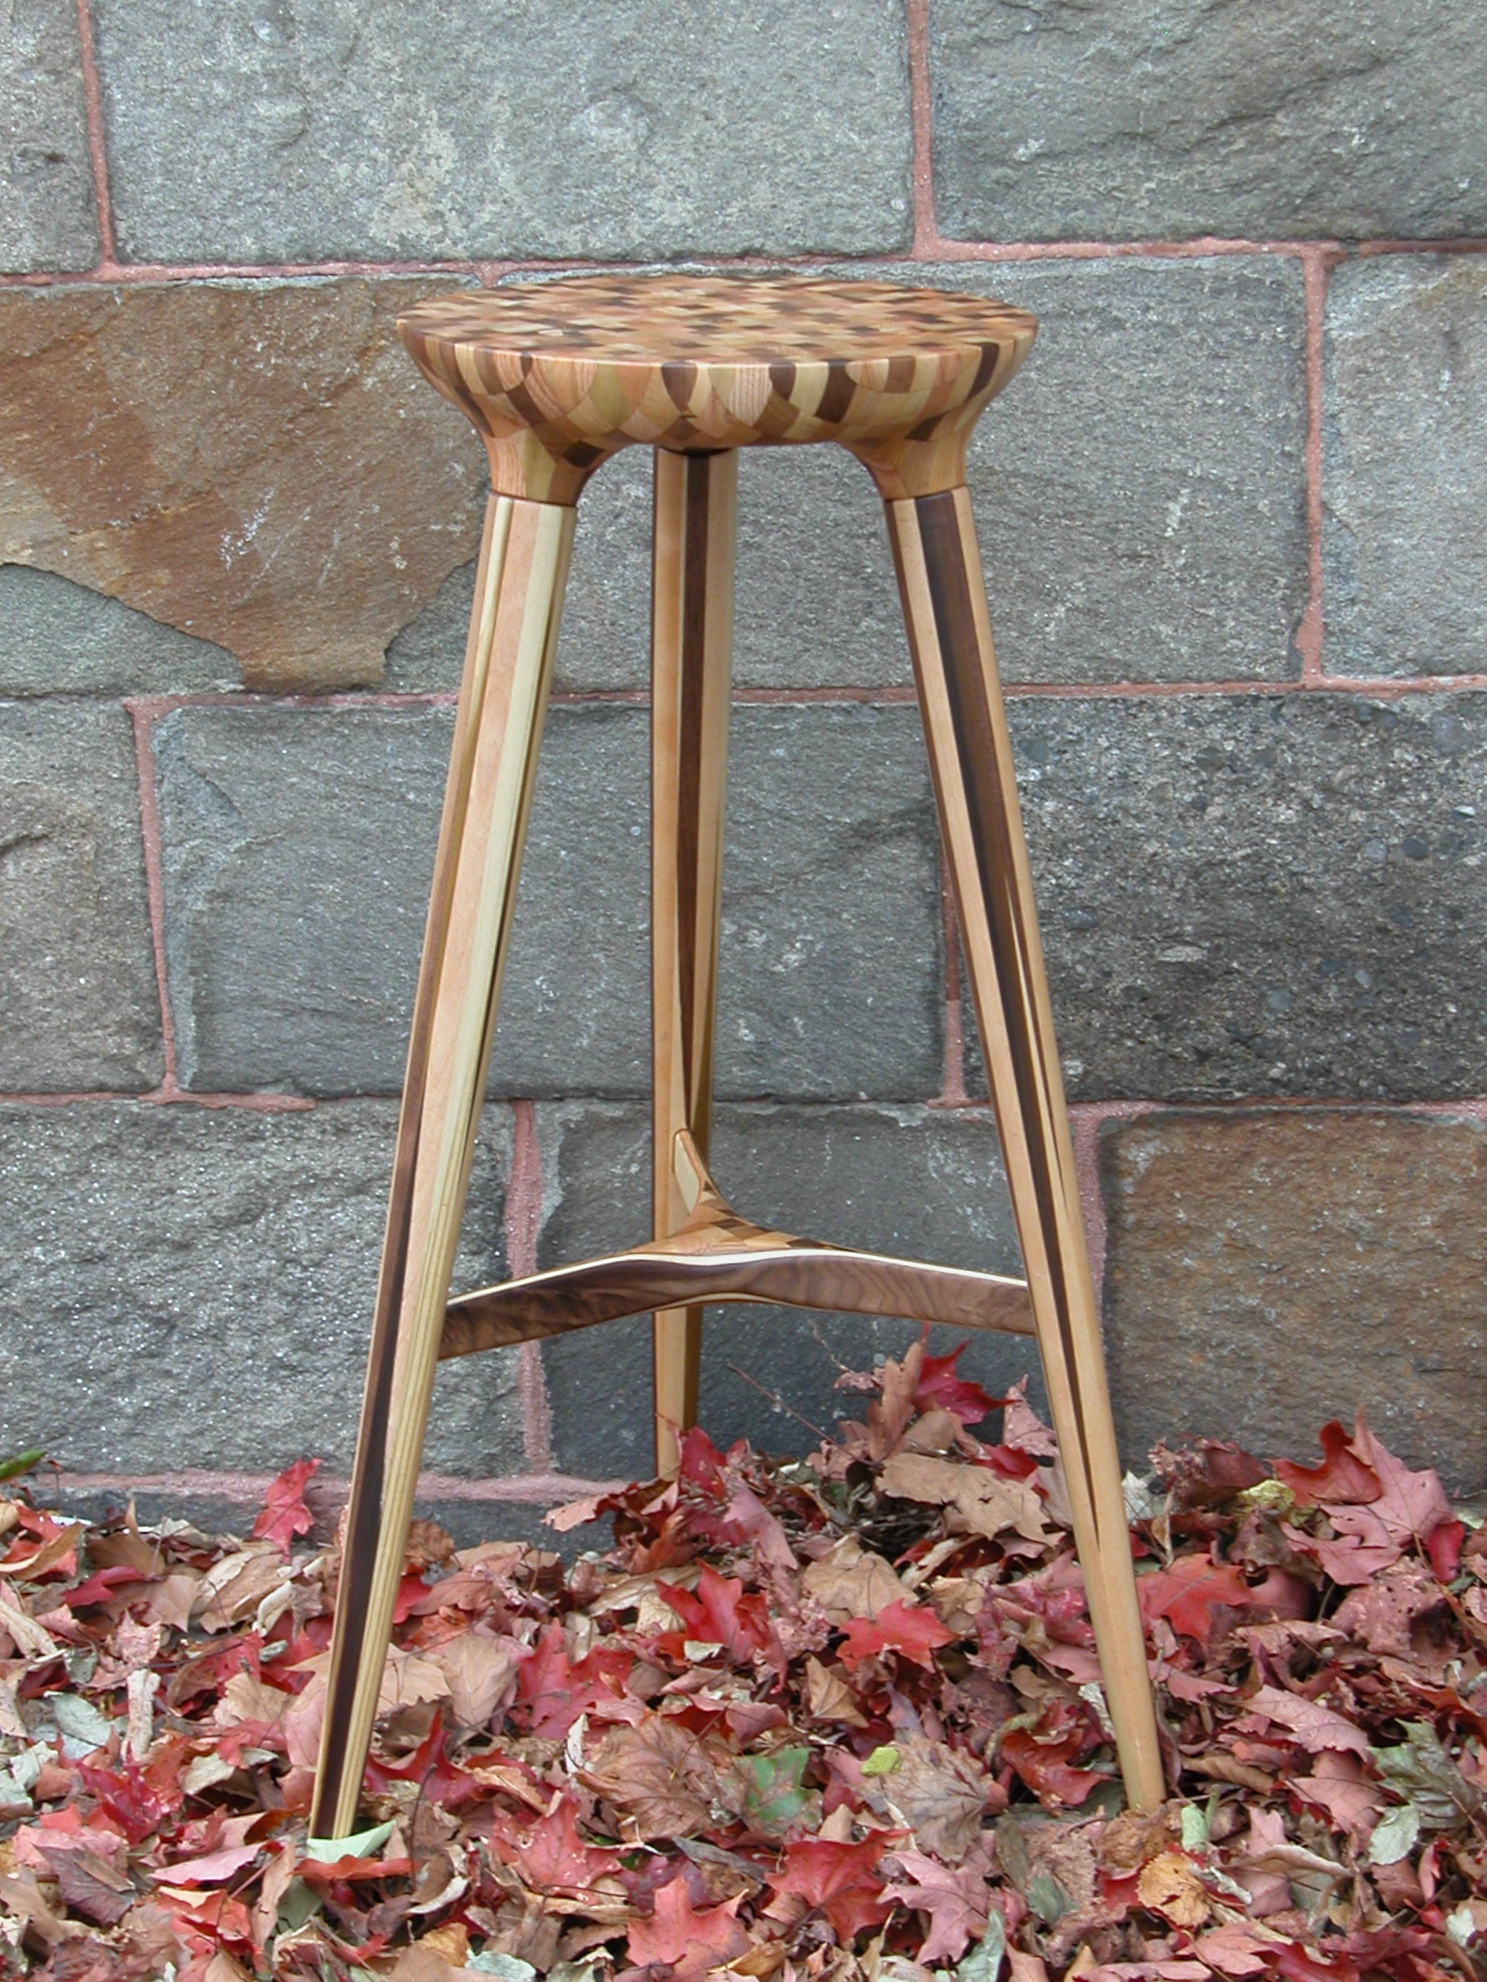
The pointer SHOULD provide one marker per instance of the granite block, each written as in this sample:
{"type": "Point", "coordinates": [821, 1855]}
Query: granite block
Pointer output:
{"type": "Point", "coordinates": [1140, 120]}
{"type": "Point", "coordinates": [298, 847]}
{"type": "Point", "coordinates": [77, 967]}
{"type": "Point", "coordinates": [191, 1289]}
{"type": "Point", "coordinates": [1405, 466]}
{"type": "Point", "coordinates": [1268, 1271]}
{"type": "Point", "coordinates": [1261, 894]}
{"type": "Point", "coordinates": [47, 215]}
{"type": "Point", "coordinates": [243, 134]}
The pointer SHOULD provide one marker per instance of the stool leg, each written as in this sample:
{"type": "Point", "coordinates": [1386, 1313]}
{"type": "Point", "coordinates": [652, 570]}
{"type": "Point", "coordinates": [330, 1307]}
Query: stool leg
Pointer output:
{"type": "Point", "coordinates": [691, 665]}
{"type": "Point", "coordinates": [944, 598]}
{"type": "Point", "coordinates": [508, 664]}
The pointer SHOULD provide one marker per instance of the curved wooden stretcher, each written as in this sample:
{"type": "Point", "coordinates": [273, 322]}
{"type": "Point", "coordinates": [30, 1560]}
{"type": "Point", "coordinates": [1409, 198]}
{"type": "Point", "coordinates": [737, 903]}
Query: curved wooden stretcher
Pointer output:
{"type": "Point", "coordinates": [716, 1256]}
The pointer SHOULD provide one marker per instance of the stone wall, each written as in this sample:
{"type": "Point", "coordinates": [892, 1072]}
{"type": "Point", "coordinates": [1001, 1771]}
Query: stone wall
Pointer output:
{"type": "Point", "coordinates": [1232, 514]}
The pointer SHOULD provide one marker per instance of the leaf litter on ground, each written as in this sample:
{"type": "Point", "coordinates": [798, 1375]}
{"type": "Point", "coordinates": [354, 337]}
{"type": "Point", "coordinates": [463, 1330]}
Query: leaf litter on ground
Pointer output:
{"type": "Point", "coordinates": [805, 1722]}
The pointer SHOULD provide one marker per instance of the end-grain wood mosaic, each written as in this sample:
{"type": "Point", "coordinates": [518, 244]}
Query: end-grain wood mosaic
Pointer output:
{"type": "Point", "coordinates": [557, 377]}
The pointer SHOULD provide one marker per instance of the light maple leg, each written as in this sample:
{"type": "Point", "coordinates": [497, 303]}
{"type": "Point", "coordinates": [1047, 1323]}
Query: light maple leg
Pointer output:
{"type": "Point", "coordinates": [691, 667]}
{"type": "Point", "coordinates": [939, 574]}
{"type": "Point", "coordinates": [503, 695]}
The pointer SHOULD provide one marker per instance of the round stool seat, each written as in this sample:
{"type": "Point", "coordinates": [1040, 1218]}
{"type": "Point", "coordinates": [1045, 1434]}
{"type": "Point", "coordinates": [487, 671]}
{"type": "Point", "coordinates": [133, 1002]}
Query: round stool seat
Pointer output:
{"type": "Point", "coordinates": [559, 375]}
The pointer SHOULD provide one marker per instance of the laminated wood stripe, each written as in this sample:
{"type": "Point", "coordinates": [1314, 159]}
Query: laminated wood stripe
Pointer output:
{"type": "Point", "coordinates": [691, 671]}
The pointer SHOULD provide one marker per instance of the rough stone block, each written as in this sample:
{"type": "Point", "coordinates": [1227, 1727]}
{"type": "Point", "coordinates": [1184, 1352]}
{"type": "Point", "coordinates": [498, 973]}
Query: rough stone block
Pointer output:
{"type": "Point", "coordinates": [1405, 466]}
{"type": "Point", "coordinates": [1140, 494]}
{"type": "Point", "coordinates": [298, 845]}
{"type": "Point", "coordinates": [1142, 121]}
{"type": "Point", "coordinates": [47, 214]}
{"type": "Point", "coordinates": [1255, 895]}
{"type": "Point", "coordinates": [192, 1288]}
{"type": "Point", "coordinates": [468, 1518]}
{"type": "Point", "coordinates": [726, 127]}
{"type": "Point", "coordinates": [57, 638]}
{"type": "Point", "coordinates": [914, 1181]}
{"type": "Point", "coordinates": [1139, 486]}
{"type": "Point", "coordinates": [77, 970]}
{"type": "Point", "coordinates": [1268, 1271]}
{"type": "Point", "coordinates": [256, 464]}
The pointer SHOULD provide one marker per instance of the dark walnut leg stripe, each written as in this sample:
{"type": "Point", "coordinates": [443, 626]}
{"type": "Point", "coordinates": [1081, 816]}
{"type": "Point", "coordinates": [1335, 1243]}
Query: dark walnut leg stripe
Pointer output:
{"type": "Point", "coordinates": [508, 665]}
{"type": "Point", "coordinates": [691, 666]}
{"type": "Point", "coordinates": [939, 575]}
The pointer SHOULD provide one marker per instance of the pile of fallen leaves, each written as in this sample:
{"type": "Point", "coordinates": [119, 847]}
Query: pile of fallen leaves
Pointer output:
{"type": "Point", "coordinates": [821, 1720]}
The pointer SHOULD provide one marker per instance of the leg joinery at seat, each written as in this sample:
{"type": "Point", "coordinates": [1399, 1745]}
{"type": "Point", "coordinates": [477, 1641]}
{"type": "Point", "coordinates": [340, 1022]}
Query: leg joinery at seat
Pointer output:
{"type": "Point", "coordinates": [939, 572]}
{"type": "Point", "coordinates": [691, 668]}
{"type": "Point", "coordinates": [503, 695]}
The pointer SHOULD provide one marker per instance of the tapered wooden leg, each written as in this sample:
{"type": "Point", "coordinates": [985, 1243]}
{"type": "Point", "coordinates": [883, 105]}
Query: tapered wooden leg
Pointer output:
{"type": "Point", "coordinates": [939, 574]}
{"type": "Point", "coordinates": [691, 665]}
{"type": "Point", "coordinates": [508, 664]}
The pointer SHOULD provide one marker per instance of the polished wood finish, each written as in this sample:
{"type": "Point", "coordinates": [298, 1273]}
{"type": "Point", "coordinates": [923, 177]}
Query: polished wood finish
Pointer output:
{"type": "Point", "coordinates": [944, 600]}
{"type": "Point", "coordinates": [696, 523]}
{"type": "Point", "coordinates": [503, 696]}
{"type": "Point", "coordinates": [558, 375]}
{"type": "Point", "coordinates": [714, 1255]}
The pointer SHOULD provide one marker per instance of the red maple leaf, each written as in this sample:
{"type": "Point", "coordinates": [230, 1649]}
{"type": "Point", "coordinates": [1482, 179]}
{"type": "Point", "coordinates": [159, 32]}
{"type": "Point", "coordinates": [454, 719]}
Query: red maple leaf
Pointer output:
{"type": "Point", "coordinates": [138, 1800]}
{"type": "Point", "coordinates": [718, 1613]}
{"type": "Point", "coordinates": [941, 1388]}
{"type": "Point", "coordinates": [840, 1880]}
{"type": "Point", "coordinates": [439, 1779]}
{"type": "Point", "coordinates": [1190, 1591]}
{"type": "Point", "coordinates": [1342, 1475]}
{"type": "Point", "coordinates": [953, 1900]}
{"type": "Point", "coordinates": [911, 1630]}
{"type": "Point", "coordinates": [553, 1856]}
{"type": "Point", "coordinates": [685, 1941]}
{"type": "Point", "coordinates": [1443, 1546]}
{"type": "Point", "coordinates": [555, 1692]}
{"type": "Point", "coordinates": [1406, 1513]}
{"type": "Point", "coordinates": [1047, 1766]}
{"type": "Point", "coordinates": [285, 1514]}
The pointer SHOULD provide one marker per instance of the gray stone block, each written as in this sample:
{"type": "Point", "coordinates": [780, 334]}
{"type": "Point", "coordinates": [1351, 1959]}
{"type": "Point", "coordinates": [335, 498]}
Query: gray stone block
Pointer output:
{"type": "Point", "coordinates": [57, 638]}
{"type": "Point", "coordinates": [47, 215]}
{"type": "Point", "coordinates": [1405, 466]}
{"type": "Point", "coordinates": [298, 845]}
{"type": "Point", "coordinates": [191, 1288]}
{"type": "Point", "coordinates": [1140, 494]}
{"type": "Point", "coordinates": [468, 1521]}
{"type": "Point", "coordinates": [377, 130]}
{"type": "Point", "coordinates": [77, 969]}
{"type": "Point", "coordinates": [1268, 1271]}
{"type": "Point", "coordinates": [1140, 485]}
{"type": "Point", "coordinates": [1141, 120]}
{"type": "Point", "coordinates": [914, 1181]}
{"type": "Point", "coordinates": [1257, 895]}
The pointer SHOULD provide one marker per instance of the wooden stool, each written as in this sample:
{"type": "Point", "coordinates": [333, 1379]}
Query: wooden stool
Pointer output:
{"type": "Point", "coordinates": [557, 377]}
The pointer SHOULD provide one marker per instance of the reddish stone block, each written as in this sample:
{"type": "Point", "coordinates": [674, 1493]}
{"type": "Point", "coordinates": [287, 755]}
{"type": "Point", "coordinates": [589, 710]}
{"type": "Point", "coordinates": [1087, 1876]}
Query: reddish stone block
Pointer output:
{"type": "Point", "coordinates": [256, 463]}
{"type": "Point", "coordinates": [1268, 1270]}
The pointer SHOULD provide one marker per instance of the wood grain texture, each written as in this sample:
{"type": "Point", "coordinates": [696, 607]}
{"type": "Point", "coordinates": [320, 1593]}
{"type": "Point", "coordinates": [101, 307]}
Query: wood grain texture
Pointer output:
{"type": "Point", "coordinates": [559, 375]}
{"type": "Point", "coordinates": [714, 1255]}
{"type": "Point", "coordinates": [944, 599]}
{"type": "Point", "coordinates": [503, 696]}
{"type": "Point", "coordinates": [696, 528]}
